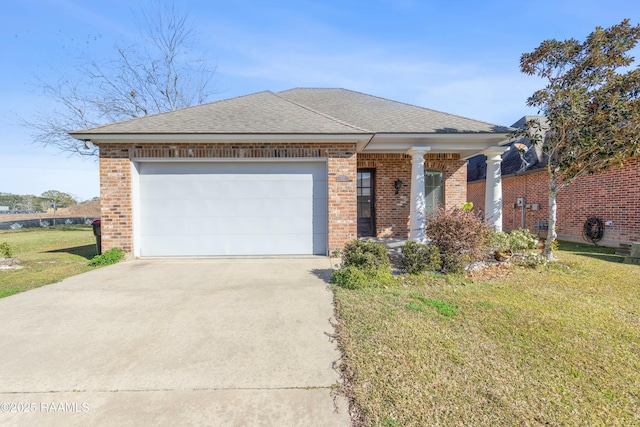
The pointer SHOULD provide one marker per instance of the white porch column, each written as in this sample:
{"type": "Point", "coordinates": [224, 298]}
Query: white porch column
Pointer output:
{"type": "Point", "coordinates": [417, 211]}
{"type": "Point", "coordinates": [493, 188]}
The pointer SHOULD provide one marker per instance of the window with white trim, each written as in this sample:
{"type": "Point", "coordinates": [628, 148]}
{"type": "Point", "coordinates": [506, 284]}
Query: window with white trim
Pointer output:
{"type": "Point", "coordinates": [433, 189]}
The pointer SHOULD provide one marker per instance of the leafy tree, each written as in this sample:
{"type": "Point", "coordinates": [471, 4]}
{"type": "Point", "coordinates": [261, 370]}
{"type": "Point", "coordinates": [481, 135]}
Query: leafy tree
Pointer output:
{"type": "Point", "coordinates": [162, 74]}
{"type": "Point", "coordinates": [10, 200]}
{"type": "Point", "coordinates": [62, 200]}
{"type": "Point", "coordinates": [592, 106]}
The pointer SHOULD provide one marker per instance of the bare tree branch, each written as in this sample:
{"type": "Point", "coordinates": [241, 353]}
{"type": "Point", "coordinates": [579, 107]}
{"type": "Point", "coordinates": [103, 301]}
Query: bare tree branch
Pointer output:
{"type": "Point", "coordinates": [161, 74]}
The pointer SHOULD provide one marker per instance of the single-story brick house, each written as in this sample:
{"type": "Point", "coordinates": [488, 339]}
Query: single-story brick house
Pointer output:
{"type": "Point", "coordinates": [301, 171]}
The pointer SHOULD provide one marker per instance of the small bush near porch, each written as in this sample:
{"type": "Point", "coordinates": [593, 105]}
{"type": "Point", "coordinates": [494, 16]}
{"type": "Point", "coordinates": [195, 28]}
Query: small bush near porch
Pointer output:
{"type": "Point", "coordinates": [542, 345]}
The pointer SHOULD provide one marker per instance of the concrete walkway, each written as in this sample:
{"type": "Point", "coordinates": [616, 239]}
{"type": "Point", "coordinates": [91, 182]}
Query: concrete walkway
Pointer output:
{"type": "Point", "coordinates": [174, 342]}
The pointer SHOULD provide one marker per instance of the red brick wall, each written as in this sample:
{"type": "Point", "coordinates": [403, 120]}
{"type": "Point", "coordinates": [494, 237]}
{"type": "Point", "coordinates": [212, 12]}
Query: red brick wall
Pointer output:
{"type": "Point", "coordinates": [115, 181]}
{"type": "Point", "coordinates": [613, 195]}
{"type": "Point", "coordinates": [115, 198]}
{"type": "Point", "coordinates": [455, 175]}
{"type": "Point", "coordinates": [392, 210]}
{"type": "Point", "coordinates": [343, 217]}
{"type": "Point", "coordinates": [475, 194]}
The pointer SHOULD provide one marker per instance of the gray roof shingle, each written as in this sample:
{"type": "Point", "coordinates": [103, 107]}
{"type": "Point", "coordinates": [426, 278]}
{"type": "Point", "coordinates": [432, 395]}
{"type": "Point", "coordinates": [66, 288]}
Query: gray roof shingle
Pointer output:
{"type": "Point", "coordinates": [381, 115]}
{"type": "Point", "coordinates": [298, 111]}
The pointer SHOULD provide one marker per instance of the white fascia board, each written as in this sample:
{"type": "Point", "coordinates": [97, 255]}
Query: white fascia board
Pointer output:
{"type": "Point", "coordinates": [458, 135]}
{"type": "Point", "coordinates": [439, 143]}
{"type": "Point", "coordinates": [431, 138]}
{"type": "Point", "coordinates": [436, 147]}
{"type": "Point", "coordinates": [240, 138]}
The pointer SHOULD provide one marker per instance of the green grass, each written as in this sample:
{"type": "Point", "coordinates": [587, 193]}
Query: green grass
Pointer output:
{"type": "Point", "coordinates": [47, 255]}
{"type": "Point", "coordinates": [556, 345]}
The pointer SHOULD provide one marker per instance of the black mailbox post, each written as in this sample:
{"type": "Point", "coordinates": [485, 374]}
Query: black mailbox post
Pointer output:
{"type": "Point", "coordinates": [96, 232]}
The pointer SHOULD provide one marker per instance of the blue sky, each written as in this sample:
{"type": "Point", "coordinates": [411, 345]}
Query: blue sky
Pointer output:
{"type": "Point", "coordinates": [461, 57]}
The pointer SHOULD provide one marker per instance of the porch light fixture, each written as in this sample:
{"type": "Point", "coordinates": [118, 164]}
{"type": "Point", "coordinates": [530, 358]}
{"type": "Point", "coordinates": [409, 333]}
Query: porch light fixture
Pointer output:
{"type": "Point", "coordinates": [398, 185]}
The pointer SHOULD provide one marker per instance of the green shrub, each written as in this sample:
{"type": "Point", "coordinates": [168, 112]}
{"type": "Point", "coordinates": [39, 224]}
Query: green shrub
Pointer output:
{"type": "Point", "coordinates": [5, 250]}
{"type": "Point", "coordinates": [455, 263]}
{"type": "Point", "coordinates": [516, 240]}
{"type": "Point", "coordinates": [365, 264]}
{"type": "Point", "coordinates": [522, 239]}
{"type": "Point", "coordinates": [418, 258]}
{"type": "Point", "coordinates": [499, 242]}
{"type": "Point", "coordinates": [457, 232]}
{"type": "Point", "coordinates": [111, 256]}
{"type": "Point", "coordinates": [365, 255]}
{"type": "Point", "coordinates": [350, 278]}
{"type": "Point", "coordinates": [355, 278]}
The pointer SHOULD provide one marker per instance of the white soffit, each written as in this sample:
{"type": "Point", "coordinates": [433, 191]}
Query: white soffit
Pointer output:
{"type": "Point", "coordinates": [465, 144]}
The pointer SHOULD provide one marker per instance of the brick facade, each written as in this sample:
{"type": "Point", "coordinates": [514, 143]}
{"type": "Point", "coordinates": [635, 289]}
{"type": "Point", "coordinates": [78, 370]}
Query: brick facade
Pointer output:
{"type": "Point", "coordinates": [115, 198]}
{"type": "Point", "coordinates": [613, 195]}
{"type": "Point", "coordinates": [116, 189]}
{"type": "Point", "coordinates": [392, 210]}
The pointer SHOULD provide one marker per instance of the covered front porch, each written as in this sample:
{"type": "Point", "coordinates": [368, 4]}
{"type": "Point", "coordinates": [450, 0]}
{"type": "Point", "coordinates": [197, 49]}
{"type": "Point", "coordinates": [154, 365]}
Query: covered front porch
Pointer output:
{"type": "Point", "coordinates": [401, 179]}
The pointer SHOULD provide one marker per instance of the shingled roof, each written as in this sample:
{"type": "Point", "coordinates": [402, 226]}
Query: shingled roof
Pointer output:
{"type": "Point", "coordinates": [380, 115]}
{"type": "Point", "coordinates": [298, 111]}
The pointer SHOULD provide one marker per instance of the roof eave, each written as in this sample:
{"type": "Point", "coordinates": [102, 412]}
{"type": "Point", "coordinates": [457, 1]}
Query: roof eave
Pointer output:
{"type": "Point", "coordinates": [466, 144]}
{"type": "Point", "coordinates": [101, 138]}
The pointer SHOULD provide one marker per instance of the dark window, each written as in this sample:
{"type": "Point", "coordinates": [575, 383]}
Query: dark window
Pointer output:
{"type": "Point", "coordinates": [433, 189]}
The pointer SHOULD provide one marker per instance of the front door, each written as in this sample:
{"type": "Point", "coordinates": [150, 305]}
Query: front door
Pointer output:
{"type": "Point", "coordinates": [366, 203]}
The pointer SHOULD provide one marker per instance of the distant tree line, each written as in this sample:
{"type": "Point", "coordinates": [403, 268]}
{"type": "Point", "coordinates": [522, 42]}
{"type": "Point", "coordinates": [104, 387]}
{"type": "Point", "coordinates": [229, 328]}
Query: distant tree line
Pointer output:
{"type": "Point", "coordinates": [29, 202]}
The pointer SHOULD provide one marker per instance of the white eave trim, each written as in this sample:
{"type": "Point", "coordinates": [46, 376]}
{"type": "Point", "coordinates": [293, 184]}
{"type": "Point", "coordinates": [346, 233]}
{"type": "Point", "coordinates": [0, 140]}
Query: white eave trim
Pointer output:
{"type": "Point", "coordinates": [202, 137]}
{"type": "Point", "coordinates": [464, 143]}
{"type": "Point", "coordinates": [453, 135]}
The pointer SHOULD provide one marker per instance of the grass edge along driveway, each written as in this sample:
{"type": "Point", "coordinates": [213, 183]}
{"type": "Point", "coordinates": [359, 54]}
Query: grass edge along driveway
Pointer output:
{"type": "Point", "coordinates": [47, 255]}
{"type": "Point", "coordinates": [556, 345]}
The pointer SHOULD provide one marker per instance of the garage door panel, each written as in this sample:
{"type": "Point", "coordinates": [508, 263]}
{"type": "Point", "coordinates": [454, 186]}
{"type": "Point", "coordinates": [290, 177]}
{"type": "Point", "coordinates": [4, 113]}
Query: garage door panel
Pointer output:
{"type": "Point", "coordinates": [226, 245]}
{"type": "Point", "coordinates": [232, 209]}
{"type": "Point", "coordinates": [227, 168]}
{"type": "Point", "coordinates": [256, 189]}
{"type": "Point", "coordinates": [195, 208]}
{"type": "Point", "coordinates": [222, 225]}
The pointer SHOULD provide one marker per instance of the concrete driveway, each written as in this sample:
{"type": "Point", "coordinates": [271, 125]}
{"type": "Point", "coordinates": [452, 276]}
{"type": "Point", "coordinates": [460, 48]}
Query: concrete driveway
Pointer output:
{"type": "Point", "coordinates": [239, 342]}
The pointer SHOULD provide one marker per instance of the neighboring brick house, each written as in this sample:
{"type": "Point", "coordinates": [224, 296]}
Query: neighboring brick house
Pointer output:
{"type": "Point", "coordinates": [296, 172]}
{"type": "Point", "coordinates": [612, 195]}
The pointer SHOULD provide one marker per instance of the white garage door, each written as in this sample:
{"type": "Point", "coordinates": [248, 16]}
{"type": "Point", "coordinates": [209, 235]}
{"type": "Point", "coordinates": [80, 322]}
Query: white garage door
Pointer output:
{"type": "Point", "coordinates": [234, 208]}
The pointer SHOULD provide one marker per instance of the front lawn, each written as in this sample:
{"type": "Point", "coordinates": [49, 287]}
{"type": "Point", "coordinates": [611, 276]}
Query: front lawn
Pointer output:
{"type": "Point", "coordinates": [47, 255]}
{"type": "Point", "coordinates": [552, 346]}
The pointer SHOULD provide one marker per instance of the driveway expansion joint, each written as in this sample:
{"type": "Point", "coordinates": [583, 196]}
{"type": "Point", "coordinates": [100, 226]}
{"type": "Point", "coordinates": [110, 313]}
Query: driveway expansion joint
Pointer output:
{"type": "Point", "coordinates": [329, 387]}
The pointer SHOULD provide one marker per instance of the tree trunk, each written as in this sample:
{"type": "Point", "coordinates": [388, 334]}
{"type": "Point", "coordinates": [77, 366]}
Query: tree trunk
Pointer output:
{"type": "Point", "coordinates": [547, 251]}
